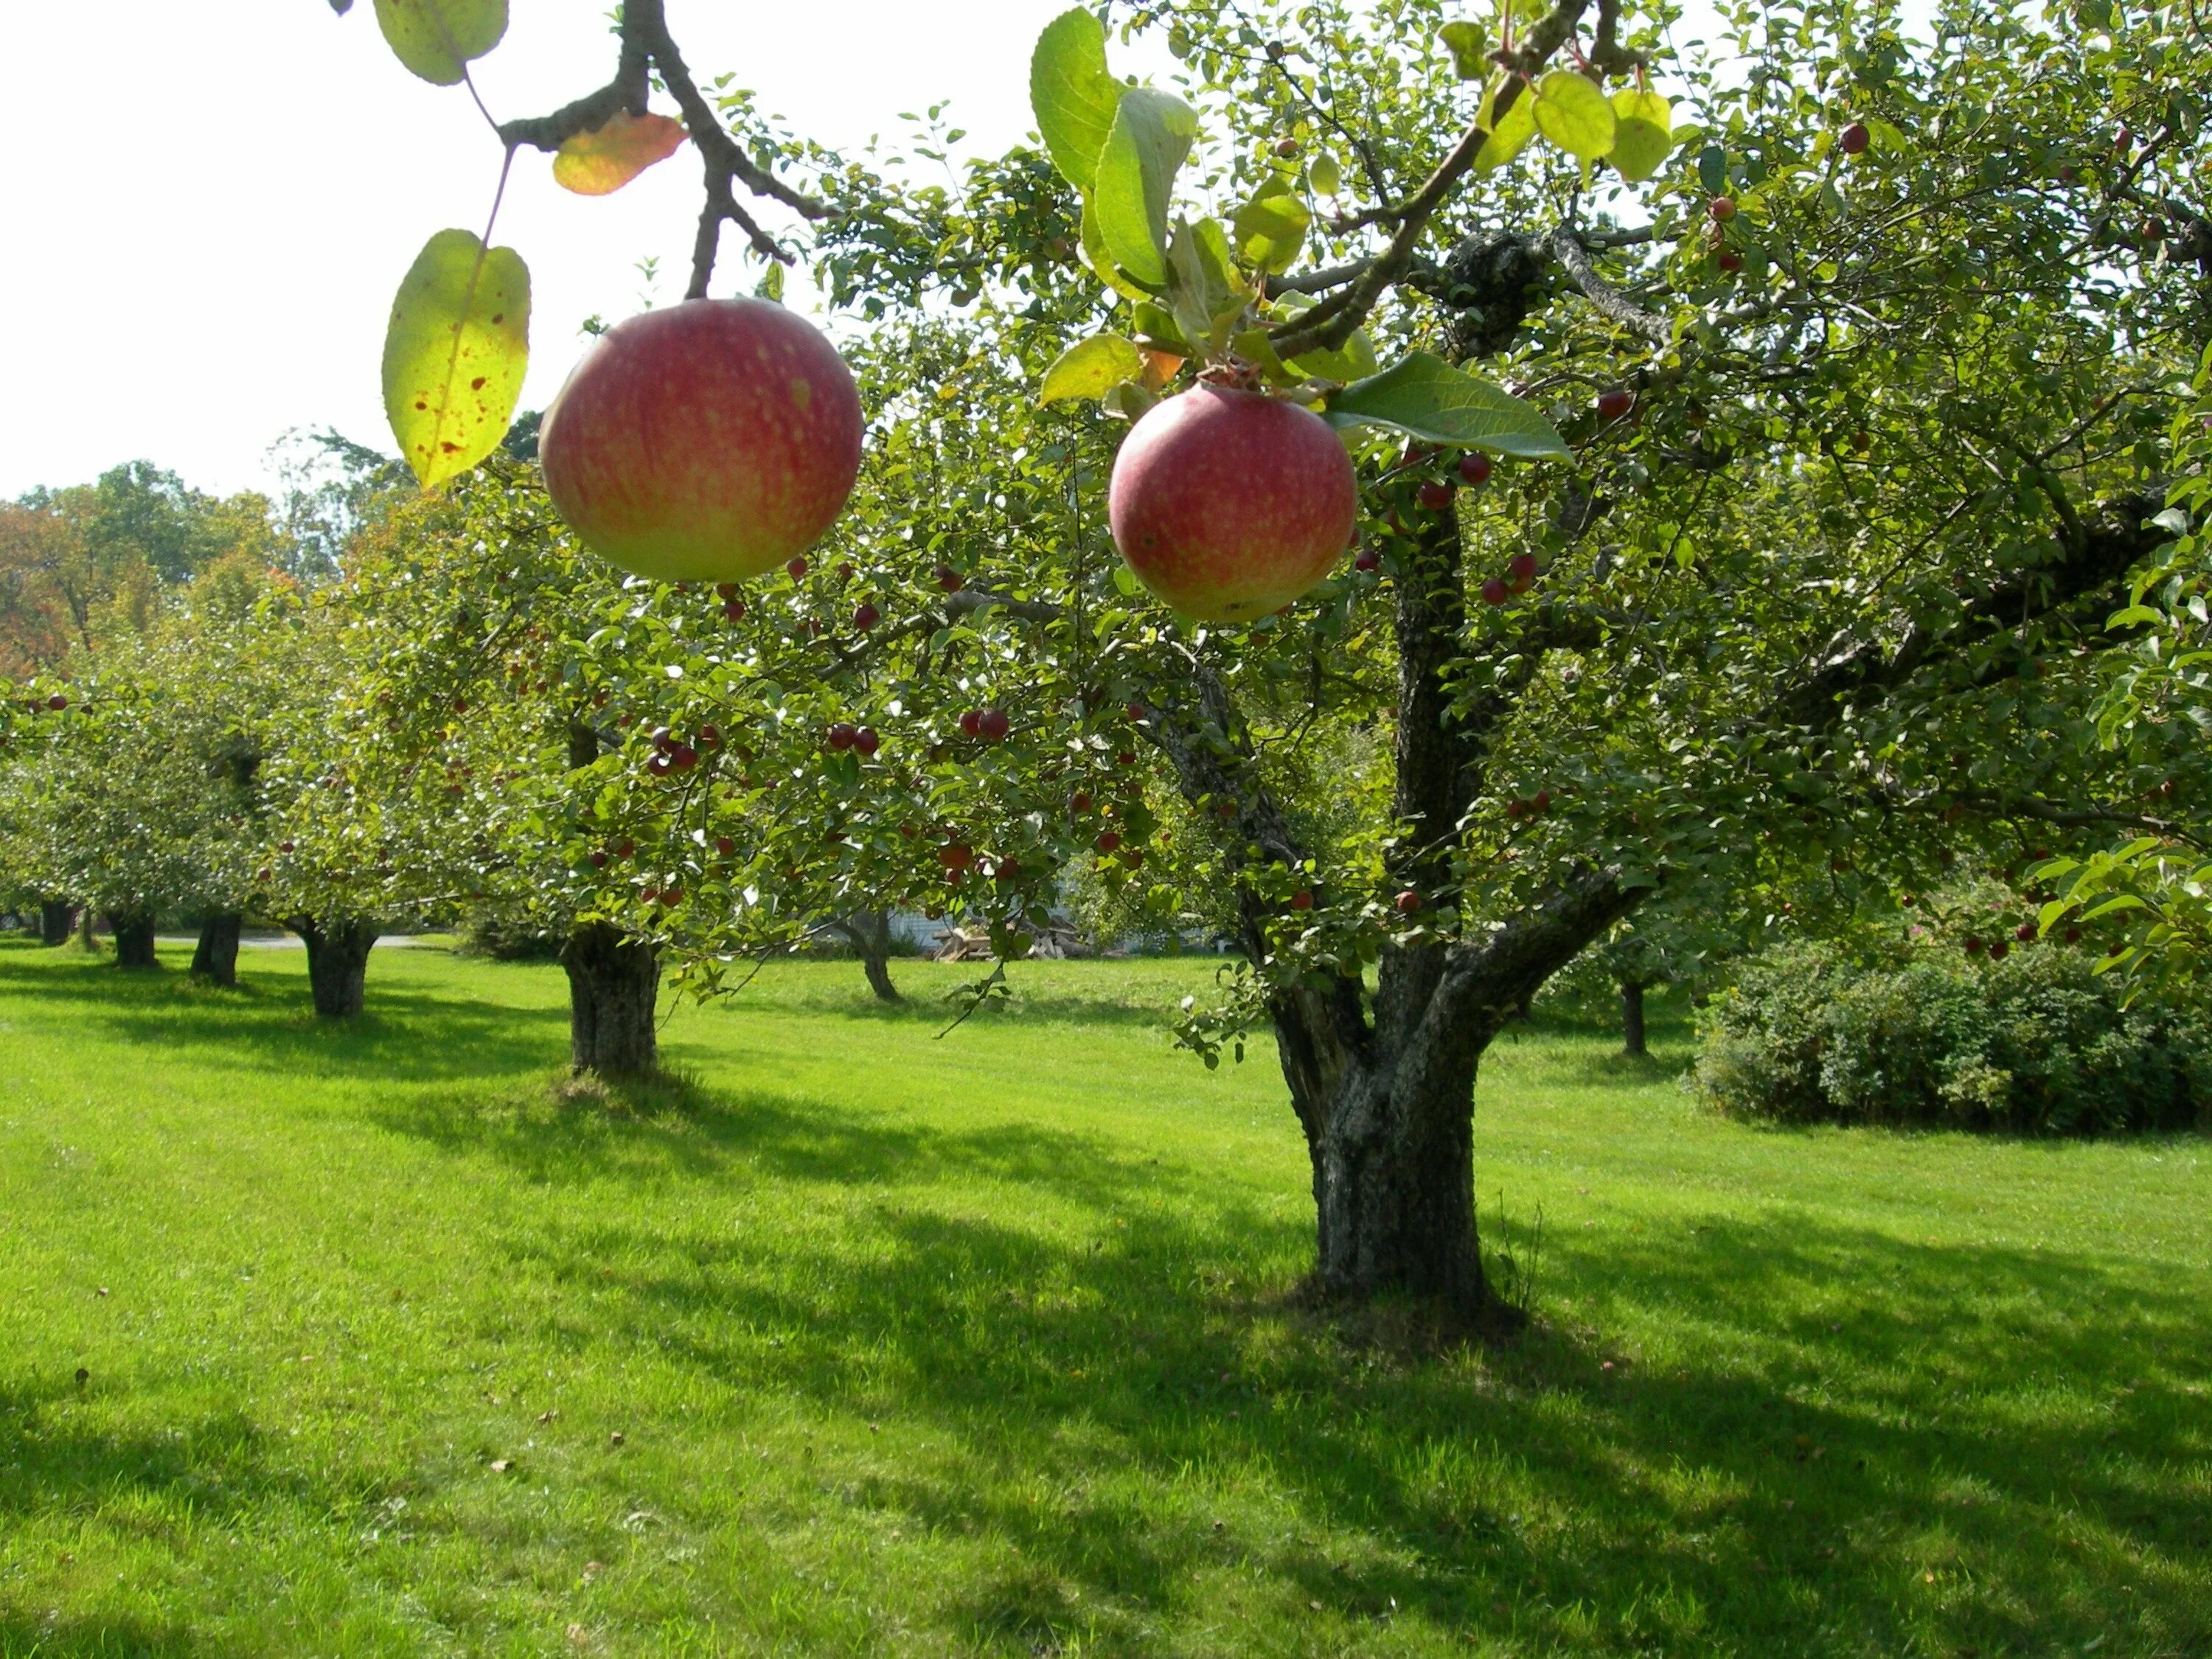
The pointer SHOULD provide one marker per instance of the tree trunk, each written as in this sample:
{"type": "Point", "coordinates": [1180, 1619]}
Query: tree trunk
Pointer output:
{"type": "Point", "coordinates": [216, 958]}
{"type": "Point", "coordinates": [54, 921]}
{"type": "Point", "coordinates": [84, 929]}
{"type": "Point", "coordinates": [134, 938]}
{"type": "Point", "coordinates": [337, 961]}
{"type": "Point", "coordinates": [1632, 1021]}
{"type": "Point", "coordinates": [871, 933]}
{"type": "Point", "coordinates": [614, 983]}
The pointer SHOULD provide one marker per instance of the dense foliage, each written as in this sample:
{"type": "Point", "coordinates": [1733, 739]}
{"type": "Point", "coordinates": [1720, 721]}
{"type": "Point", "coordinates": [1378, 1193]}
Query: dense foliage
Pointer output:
{"type": "Point", "coordinates": [2037, 1041]}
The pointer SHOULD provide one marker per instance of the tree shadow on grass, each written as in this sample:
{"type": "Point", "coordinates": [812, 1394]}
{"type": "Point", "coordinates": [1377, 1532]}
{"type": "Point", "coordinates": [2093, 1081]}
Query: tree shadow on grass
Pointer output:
{"type": "Point", "coordinates": [23, 1635]}
{"type": "Point", "coordinates": [404, 1034]}
{"type": "Point", "coordinates": [1963, 1461]}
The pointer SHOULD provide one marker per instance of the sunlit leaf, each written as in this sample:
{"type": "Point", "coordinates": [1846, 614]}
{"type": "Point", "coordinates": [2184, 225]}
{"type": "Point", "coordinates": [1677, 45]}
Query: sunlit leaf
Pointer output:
{"type": "Point", "coordinates": [455, 353]}
{"type": "Point", "coordinates": [1151, 135]}
{"type": "Point", "coordinates": [600, 163]}
{"type": "Point", "coordinates": [1469, 46]}
{"type": "Point", "coordinates": [1091, 368]}
{"type": "Point", "coordinates": [1574, 115]}
{"type": "Point", "coordinates": [1101, 262]}
{"type": "Point", "coordinates": [437, 39]}
{"type": "Point", "coordinates": [1510, 133]}
{"type": "Point", "coordinates": [1643, 133]}
{"type": "Point", "coordinates": [1270, 230]}
{"type": "Point", "coordinates": [1426, 397]}
{"type": "Point", "coordinates": [1073, 95]}
{"type": "Point", "coordinates": [1324, 175]}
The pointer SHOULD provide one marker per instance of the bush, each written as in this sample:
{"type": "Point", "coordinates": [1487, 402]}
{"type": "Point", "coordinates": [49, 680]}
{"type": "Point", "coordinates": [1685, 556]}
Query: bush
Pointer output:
{"type": "Point", "coordinates": [2037, 1044]}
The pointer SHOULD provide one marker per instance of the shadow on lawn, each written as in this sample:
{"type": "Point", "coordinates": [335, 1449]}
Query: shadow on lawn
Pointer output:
{"type": "Point", "coordinates": [405, 1035]}
{"type": "Point", "coordinates": [1979, 1457]}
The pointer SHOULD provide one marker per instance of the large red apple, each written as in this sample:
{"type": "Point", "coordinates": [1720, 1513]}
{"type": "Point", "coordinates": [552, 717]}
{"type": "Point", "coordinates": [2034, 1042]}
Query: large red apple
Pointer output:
{"type": "Point", "coordinates": [1230, 504]}
{"type": "Point", "coordinates": [713, 439]}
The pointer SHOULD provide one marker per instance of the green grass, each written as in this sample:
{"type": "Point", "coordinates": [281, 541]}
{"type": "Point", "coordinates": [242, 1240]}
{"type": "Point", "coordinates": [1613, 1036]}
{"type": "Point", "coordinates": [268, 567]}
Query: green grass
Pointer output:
{"type": "Point", "coordinates": [982, 1346]}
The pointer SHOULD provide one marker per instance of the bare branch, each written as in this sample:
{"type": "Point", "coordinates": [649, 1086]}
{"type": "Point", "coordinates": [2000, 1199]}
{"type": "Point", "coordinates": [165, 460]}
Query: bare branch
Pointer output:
{"type": "Point", "coordinates": [1608, 302]}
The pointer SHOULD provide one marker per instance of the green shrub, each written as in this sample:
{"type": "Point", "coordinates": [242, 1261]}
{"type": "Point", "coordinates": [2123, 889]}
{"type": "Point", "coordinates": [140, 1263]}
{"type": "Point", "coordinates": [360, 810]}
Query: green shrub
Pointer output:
{"type": "Point", "coordinates": [2036, 1043]}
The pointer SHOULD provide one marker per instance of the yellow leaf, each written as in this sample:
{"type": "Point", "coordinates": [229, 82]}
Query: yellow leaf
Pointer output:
{"type": "Point", "coordinates": [455, 353]}
{"type": "Point", "coordinates": [600, 163]}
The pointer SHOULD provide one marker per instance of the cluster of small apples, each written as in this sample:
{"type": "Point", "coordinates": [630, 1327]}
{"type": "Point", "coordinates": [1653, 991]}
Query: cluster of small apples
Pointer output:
{"type": "Point", "coordinates": [673, 754]}
{"type": "Point", "coordinates": [1533, 806]}
{"type": "Point", "coordinates": [989, 724]}
{"type": "Point", "coordinates": [1520, 576]}
{"type": "Point", "coordinates": [862, 740]}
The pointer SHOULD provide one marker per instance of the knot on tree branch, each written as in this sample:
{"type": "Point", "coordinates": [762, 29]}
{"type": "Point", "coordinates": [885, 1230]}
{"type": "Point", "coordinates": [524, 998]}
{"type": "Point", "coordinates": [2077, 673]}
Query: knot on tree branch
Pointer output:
{"type": "Point", "coordinates": [1489, 284]}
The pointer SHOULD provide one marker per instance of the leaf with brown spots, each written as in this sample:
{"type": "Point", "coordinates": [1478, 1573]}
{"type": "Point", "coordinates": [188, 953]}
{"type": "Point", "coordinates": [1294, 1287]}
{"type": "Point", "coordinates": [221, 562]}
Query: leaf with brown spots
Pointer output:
{"type": "Point", "coordinates": [455, 353]}
{"type": "Point", "coordinates": [600, 163]}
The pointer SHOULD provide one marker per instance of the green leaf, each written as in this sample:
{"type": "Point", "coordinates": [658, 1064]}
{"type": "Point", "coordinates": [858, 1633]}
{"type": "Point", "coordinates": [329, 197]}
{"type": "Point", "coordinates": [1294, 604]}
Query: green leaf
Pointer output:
{"type": "Point", "coordinates": [1271, 228]}
{"type": "Point", "coordinates": [1469, 46]}
{"type": "Point", "coordinates": [1202, 290]}
{"type": "Point", "coordinates": [1712, 170]}
{"type": "Point", "coordinates": [600, 163]}
{"type": "Point", "coordinates": [1326, 177]}
{"type": "Point", "coordinates": [1574, 115]}
{"type": "Point", "coordinates": [1643, 133]}
{"type": "Point", "coordinates": [1090, 369]}
{"type": "Point", "coordinates": [1152, 134]}
{"type": "Point", "coordinates": [436, 38]}
{"type": "Point", "coordinates": [1426, 397]}
{"type": "Point", "coordinates": [1510, 133]}
{"type": "Point", "coordinates": [1073, 95]}
{"type": "Point", "coordinates": [1353, 361]}
{"type": "Point", "coordinates": [1101, 263]}
{"type": "Point", "coordinates": [455, 353]}
{"type": "Point", "coordinates": [1156, 326]}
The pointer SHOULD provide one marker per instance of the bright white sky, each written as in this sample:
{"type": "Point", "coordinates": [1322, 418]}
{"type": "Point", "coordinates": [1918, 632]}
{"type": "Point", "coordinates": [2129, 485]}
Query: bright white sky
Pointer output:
{"type": "Point", "coordinates": [213, 203]}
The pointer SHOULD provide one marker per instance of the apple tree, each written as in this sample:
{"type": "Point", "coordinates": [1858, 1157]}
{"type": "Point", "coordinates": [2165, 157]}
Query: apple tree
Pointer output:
{"type": "Point", "coordinates": [1746, 467]}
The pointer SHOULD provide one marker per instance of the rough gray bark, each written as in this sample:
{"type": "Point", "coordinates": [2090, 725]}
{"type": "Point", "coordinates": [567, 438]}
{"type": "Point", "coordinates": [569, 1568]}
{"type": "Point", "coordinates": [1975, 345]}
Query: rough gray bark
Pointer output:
{"type": "Point", "coordinates": [870, 930]}
{"type": "Point", "coordinates": [54, 917]}
{"type": "Point", "coordinates": [1632, 1021]}
{"type": "Point", "coordinates": [84, 920]}
{"type": "Point", "coordinates": [614, 981]}
{"type": "Point", "coordinates": [337, 961]}
{"type": "Point", "coordinates": [216, 958]}
{"type": "Point", "coordinates": [134, 938]}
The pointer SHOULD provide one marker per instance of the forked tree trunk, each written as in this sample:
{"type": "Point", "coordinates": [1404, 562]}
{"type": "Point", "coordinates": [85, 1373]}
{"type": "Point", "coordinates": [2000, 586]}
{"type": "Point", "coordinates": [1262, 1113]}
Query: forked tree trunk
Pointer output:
{"type": "Point", "coordinates": [614, 983]}
{"type": "Point", "coordinates": [134, 938]}
{"type": "Point", "coordinates": [871, 933]}
{"type": "Point", "coordinates": [337, 961]}
{"type": "Point", "coordinates": [216, 958]}
{"type": "Point", "coordinates": [54, 921]}
{"type": "Point", "coordinates": [1632, 1021]}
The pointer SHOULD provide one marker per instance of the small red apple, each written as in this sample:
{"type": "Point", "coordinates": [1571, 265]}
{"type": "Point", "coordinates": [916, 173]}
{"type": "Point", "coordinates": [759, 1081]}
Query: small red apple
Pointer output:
{"type": "Point", "coordinates": [57, 702]}
{"type": "Point", "coordinates": [1729, 260]}
{"type": "Point", "coordinates": [866, 741]}
{"type": "Point", "coordinates": [1408, 903]}
{"type": "Point", "coordinates": [1136, 711]}
{"type": "Point", "coordinates": [1474, 469]}
{"type": "Point", "coordinates": [866, 617]}
{"type": "Point", "coordinates": [625, 850]}
{"type": "Point", "coordinates": [1302, 900]}
{"type": "Point", "coordinates": [710, 737]}
{"type": "Point", "coordinates": [992, 724]}
{"type": "Point", "coordinates": [2025, 932]}
{"type": "Point", "coordinates": [683, 757]}
{"type": "Point", "coordinates": [1229, 504]}
{"type": "Point", "coordinates": [796, 569]}
{"type": "Point", "coordinates": [955, 855]}
{"type": "Point", "coordinates": [735, 609]}
{"type": "Point", "coordinates": [1493, 592]}
{"type": "Point", "coordinates": [1999, 950]}
{"type": "Point", "coordinates": [599, 860]}
{"type": "Point", "coordinates": [1722, 208]}
{"type": "Point", "coordinates": [1612, 405]}
{"type": "Point", "coordinates": [842, 734]}
{"type": "Point", "coordinates": [949, 579]}
{"type": "Point", "coordinates": [726, 590]}
{"type": "Point", "coordinates": [704, 442]}
{"type": "Point", "coordinates": [1369, 559]}
{"type": "Point", "coordinates": [1854, 139]}
{"type": "Point", "coordinates": [1434, 496]}
{"type": "Point", "coordinates": [1108, 841]}
{"type": "Point", "coordinates": [725, 846]}
{"type": "Point", "coordinates": [672, 895]}
{"type": "Point", "coordinates": [1521, 572]}
{"type": "Point", "coordinates": [658, 766]}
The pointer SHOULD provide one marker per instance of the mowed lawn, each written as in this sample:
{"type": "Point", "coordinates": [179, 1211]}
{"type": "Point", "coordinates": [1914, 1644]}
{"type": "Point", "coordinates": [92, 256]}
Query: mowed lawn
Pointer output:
{"type": "Point", "coordinates": [350, 1341]}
